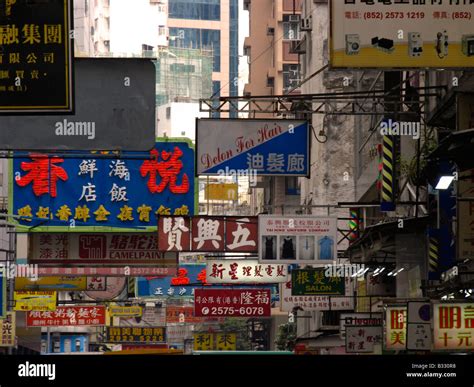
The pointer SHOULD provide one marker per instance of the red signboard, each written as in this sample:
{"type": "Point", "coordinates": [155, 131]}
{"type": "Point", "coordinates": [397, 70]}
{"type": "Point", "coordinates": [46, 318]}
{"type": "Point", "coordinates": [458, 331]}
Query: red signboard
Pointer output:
{"type": "Point", "coordinates": [232, 302]}
{"type": "Point", "coordinates": [68, 316]}
{"type": "Point", "coordinates": [107, 271]}
{"type": "Point", "coordinates": [181, 314]}
{"type": "Point", "coordinates": [207, 233]}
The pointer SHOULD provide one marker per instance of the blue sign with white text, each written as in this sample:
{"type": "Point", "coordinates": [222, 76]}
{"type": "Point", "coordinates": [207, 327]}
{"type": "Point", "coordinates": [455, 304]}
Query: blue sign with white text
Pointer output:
{"type": "Point", "coordinates": [114, 192]}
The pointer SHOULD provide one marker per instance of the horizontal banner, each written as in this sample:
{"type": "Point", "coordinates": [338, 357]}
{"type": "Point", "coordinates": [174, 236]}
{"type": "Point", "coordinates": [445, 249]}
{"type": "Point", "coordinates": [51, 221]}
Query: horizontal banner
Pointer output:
{"type": "Point", "coordinates": [241, 271]}
{"type": "Point", "coordinates": [136, 334]}
{"type": "Point", "coordinates": [68, 316]}
{"type": "Point", "coordinates": [52, 283]}
{"type": "Point", "coordinates": [107, 271]}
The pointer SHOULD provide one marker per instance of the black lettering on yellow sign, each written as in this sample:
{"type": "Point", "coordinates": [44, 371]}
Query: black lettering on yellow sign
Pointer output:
{"type": "Point", "coordinates": [136, 334]}
{"type": "Point", "coordinates": [35, 53]}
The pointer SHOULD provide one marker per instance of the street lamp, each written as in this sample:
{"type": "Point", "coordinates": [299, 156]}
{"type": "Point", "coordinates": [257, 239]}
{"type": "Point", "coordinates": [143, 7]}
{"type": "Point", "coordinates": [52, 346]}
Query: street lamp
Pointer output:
{"type": "Point", "coordinates": [444, 182]}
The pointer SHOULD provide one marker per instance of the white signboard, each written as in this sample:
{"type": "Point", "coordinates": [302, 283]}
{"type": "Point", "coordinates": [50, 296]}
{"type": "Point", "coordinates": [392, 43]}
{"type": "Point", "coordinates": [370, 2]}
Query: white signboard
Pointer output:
{"type": "Point", "coordinates": [359, 319]}
{"type": "Point", "coordinates": [315, 303]}
{"type": "Point", "coordinates": [297, 239]}
{"type": "Point", "coordinates": [240, 271]}
{"type": "Point", "coordinates": [178, 333]}
{"type": "Point", "coordinates": [419, 337]}
{"type": "Point", "coordinates": [362, 339]}
{"type": "Point", "coordinates": [453, 326]}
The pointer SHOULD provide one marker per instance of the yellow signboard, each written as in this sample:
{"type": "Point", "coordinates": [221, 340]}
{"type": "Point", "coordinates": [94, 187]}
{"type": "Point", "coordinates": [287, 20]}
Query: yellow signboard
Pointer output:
{"type": "Point", "coordinates": [221, 191]}
{"type": "Point", "coordinates": [41, 301]}
{"type": "Point", "coordinates": [453, 326]}
{"type": "Point", "coordinates": [125, 311]}
{"type": "Point", "coordinates": [203, 341]}
{"type": "Point", "coordinates": [215, 341]}
{"type": "Point", "coordinates": [7, 330]}
{"type": "Point", "coordinates": [226, 341]}
{"type": "Point", "coordinates": [396, 328]}
{"type": "Point", "coordinates": [73, 284]}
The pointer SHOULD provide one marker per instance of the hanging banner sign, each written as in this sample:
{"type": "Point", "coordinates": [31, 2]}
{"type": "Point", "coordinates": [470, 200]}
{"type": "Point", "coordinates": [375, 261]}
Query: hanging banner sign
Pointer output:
{"type": "Point", "coordinates": [232, 303]}
{"type": "Point", "coordinates": [136, 335]}
{"type": "Point", "coordinates": [396, 328]}
{"type": "Point", "coordinates": [401, 34]}
{"type": "Point", "coordinates": [36, 52]}
{"type": "Point", "coordinates": [207, 233]}
{"type": "Point", "coordinates": [244, 271]}
{"type": "Point", "coordinates": [453, 326]}
{"type": "Point", "coordinates": [113, 192]}
{"type": "Point", "coordinates": [68, 316]}
{"type": "Point", "coordinates": [34, 300]}
{"type": "Point", "coordinates": [263, 147]}
{"type": "Point", "coordinates": [297, 239]}
{"type": "Point", "coordinates": [7, 330]}
{"type": "Point", "coordinates": [92, 248]}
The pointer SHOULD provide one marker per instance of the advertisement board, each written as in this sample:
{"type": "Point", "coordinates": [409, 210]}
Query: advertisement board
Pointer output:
{"type": "Point", "coordinates": [297, 239]}
{"type": "Point", "coordinates": [124, 190]}
{"type": "Point", "coordinates": [359, 319]}
{"type": "Point", "coordinates": [315, 303]}
{"type": "Point", "coordinates": [205, 341]}
{"type": "Point", "coordinates": [264, 147]}
{"type": "Point", "coordinates": [136, 335]}
{"type": "Point", "coordinates": [401, 34]}
{"type": "Point", "coordinates": [37, 52]}
{"type": "Point", "coordinates": [221, 191]}
{"type": "Point", "coordinates": [232, 302]}
{"type": "Point", "coordinates": [245, 271]}
{"type": "Point", "coordinates": [453, 326]}
{"type": "Point", "coordinates": [68, 316]}
{"type": "Point", "coordinates": [93, 248]}
{"type": "Point", "coordinates": [395, 328]}
{"type": "Point", "coordinates": [125, 311]}
{"type": "Point", "coordinates": [120, 116]}
{"type": "Point", "coordinates": [52, 283]}
{"type": "Point", "coordinates": [362, 339]}
{"type": "Point", "coordinates": [207, 233]}
{"type": "Point", "coordinates": [26, 300]}
{"type": "Point", "coordinates": [310, 282]}
{"type": "Point", "coordinates": [181, 314]}
{"type": "Point", "coordinates": [7, 330]}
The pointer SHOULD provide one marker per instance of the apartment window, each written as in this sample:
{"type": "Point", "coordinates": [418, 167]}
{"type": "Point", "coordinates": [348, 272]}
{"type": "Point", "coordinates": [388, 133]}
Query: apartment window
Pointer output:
{"type": "Point", "coordinates": [195, 9]}
{"type": "Point", "coordinates": [291, 76]}
{"type": "Point", "coordinates": [270, 82]}
{"type": "Point", "coordinates": [291, 27]}
{"type": "Point", "coordinates": [161, 30]}
{"type": "Point", "coordinates": [291, 185]}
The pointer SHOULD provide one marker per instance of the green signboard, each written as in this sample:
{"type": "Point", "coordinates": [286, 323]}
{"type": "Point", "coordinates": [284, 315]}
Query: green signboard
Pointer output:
{"type": "Point", "coordinates": [309, 282]}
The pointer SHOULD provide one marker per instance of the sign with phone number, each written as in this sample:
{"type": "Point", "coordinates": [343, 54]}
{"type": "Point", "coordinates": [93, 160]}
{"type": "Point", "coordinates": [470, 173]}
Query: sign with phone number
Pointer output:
{"type": "Point", "coordinates": [232, 303]}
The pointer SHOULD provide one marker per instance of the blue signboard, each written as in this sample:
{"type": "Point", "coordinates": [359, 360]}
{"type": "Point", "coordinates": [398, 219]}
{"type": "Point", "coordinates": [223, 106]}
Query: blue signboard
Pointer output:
{"type": "Point", "coordinates": [262, 147]}
{"type": "Point", "coordinates": [95, 191]}
{"type": "Point", "coordinates": [188, 278]}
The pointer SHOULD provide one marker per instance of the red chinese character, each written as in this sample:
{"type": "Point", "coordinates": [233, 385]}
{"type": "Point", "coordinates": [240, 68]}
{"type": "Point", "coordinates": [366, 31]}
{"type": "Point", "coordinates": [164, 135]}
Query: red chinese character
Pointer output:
{"type": "Point", "coordinates": [181, 279]}
{"type": "Point", "coordinates": [217, 270]}
{"type": "Point", "coordinates": [42, 171]}
{"type": "Point", "coordinates": [202, 277]}
{"type": "Point", "coordinates": [233, 271]}
{"type": "Point", "coordinates": [168, 170]}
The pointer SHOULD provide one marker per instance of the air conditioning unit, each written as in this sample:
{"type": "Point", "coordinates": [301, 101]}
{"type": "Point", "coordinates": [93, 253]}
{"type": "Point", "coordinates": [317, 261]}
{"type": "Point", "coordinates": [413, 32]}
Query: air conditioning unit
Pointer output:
{"type": "Point", "coordinates": [294, 18]}
{"type": "Point", "coordinates": [306, 24]}
{"type": "Point", "coordinates": [270, 31]}
{"type": "Point", "coordinates": [298, 46]}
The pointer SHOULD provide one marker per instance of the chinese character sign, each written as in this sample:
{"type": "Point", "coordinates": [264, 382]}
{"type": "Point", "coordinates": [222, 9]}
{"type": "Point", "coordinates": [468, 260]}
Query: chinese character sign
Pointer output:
{"type": "Point", "coordinates": [136, 334]}
{"type": "Point", "coordinates": [232, 302]}
{"type": "Point", "coordinates": [453, 326]}
{"type": "Point", "coordinates": [366, 34]}
{"type": "Point", "coordinates": [307, 282]}
{"type": "Point", "coordinates": [396, 328]}
{"type": "Point", "coordinates": [34, 300]}
{"type": "Point", "coordinates": [207, 233]}
{"type": "Point", "coordinates": [67, 316]}
{"type": "Point", "coordinates": [361, 339]}
{"type": "Point", "coordinates": [93, 191]}
{"type": "Point", "coordinates": [36, 53]}
{"type": "Point", "coordinates": [293, 239]}
{"type": "Point", "coordinates": [180, 314]}
{"type": "Point", "coordinates": [7, 330]}
{"type": "Point", "coordinates": [182, 284]}
{"type": "Point", "coordinates": [204, 341]}
{"type": "Point", "coordinates": [276, 147]}
{"type": "Point", "coordinates": [241, 271]}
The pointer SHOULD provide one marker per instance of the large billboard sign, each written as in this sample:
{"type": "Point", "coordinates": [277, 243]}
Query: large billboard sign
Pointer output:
{"type": "Point", "coordinates": [268, 147]}
{"type": "Point", "coordinates": [93, 248]}
{"type": "Point", "coordinates": [115, 110]}
{"type": "Point", "coordinates": [453, 326]}
{"type": "Point", "coordinates": [207, 233]}
{"type": "Point", "coordinates": [396, 328]}
{"type": "Point", "coordinates": [232, 303]}
{"type": "Point", "coordinates": [310, 282]}
{"type": "Point", "coordinates": [401, 34]}
{"type": "Point", "coordinates": [297, 239]}
{"type": "Point", "coordinates": [123, 192]}
{"type": "Point", "coordinates": [36, 53]}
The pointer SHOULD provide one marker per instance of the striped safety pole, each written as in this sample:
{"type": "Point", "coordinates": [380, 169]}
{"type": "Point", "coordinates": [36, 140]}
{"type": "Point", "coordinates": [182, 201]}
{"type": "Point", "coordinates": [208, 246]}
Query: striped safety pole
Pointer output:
{"type": "Point", "coordinates": [388, 174]}
{"type": "Point", "coordinates": [433, 254]}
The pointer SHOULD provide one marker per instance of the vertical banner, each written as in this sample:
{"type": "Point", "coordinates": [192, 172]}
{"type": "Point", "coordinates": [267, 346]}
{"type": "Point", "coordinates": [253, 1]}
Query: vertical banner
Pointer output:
{"type": "Point", "coordinates": [395, 328]}
{"type": "Point", "coordinates": [7, 330]}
